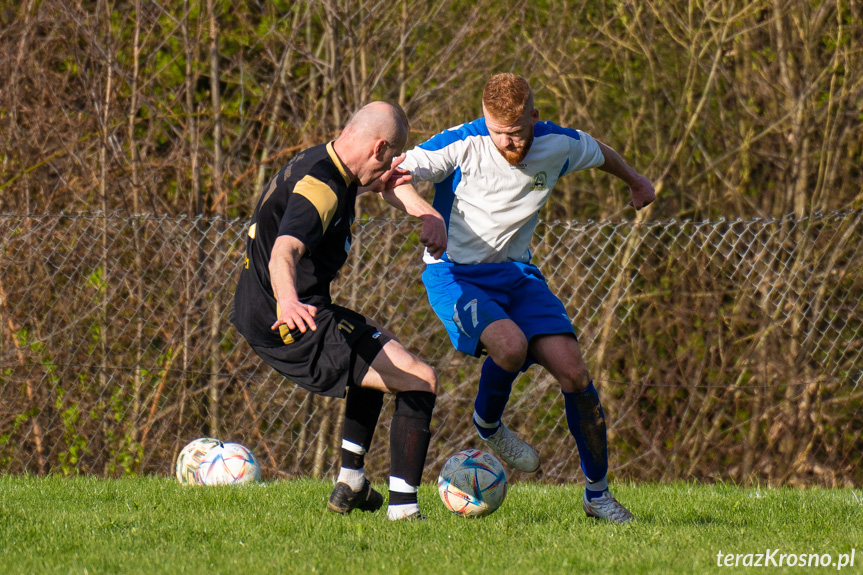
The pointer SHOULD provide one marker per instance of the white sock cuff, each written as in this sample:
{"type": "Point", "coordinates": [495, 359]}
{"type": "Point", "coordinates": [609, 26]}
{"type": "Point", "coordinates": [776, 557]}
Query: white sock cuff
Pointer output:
{"type": "Point", "coordinates": [400, 485]}
{"type": "Point", "coordinates": [353, 447]}
{"type": "Point", "coordinates": [396, 512]}
{"type": "Point", "coordinates": [601, 485]}
{"type": "Point", "coordinates": [483, 423]}
{"type": "Point", "coordinates": [353, 477]}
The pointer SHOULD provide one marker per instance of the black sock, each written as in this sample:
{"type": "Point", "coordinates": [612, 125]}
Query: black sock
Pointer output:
{"type": "Point", "coordinates": [362, 409]}
{"type": "Point", "coordinates": [409, 441]}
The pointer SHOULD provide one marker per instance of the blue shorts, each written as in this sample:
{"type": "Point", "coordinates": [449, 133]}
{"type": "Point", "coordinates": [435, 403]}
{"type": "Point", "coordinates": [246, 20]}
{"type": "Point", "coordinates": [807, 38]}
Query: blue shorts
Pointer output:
{"type": "Point", "coordinates": [467, 298]}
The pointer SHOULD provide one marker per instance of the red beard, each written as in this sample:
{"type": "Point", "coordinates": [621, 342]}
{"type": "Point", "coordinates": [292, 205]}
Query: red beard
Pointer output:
{"type": "Point", "coordinates": [515, 158]}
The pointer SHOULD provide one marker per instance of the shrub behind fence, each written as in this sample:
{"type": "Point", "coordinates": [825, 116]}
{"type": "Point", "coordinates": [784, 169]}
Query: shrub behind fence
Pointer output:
{"type": "Point", "coordinates": [723, 350]}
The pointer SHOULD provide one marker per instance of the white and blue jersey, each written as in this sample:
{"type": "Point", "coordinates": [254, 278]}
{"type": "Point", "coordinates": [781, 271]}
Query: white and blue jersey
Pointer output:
{"type": "Point", "coordinates": [491, 209]}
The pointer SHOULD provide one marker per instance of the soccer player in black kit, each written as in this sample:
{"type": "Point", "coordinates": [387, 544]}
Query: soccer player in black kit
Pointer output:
{"type": "Point", "coordinates": [299, 238]}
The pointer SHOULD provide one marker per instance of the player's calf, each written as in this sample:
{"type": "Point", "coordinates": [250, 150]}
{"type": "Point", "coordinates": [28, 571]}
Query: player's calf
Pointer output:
{"type": "Point", "coordinates": [409, 440]}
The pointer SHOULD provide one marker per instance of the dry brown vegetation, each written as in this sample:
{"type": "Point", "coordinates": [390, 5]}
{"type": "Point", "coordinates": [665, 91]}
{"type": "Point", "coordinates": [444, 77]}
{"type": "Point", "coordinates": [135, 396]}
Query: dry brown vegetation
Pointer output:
{"type": "Point", "coordinates": [733, 108]}
{"type": "Point", "coordinates": [727, 350]}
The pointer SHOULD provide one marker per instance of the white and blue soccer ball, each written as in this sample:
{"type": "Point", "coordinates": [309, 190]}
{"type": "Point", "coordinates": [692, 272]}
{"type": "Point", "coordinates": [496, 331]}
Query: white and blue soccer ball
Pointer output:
{"type": "Point", "coordinates": [472, 483]}
{"type": "Point", "coordinates": [208, 461]}
{"type": "Point", "coordinates": [228, 464]}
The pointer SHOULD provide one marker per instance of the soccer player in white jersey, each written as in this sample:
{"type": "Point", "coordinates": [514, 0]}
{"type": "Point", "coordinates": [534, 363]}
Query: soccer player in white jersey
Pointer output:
{"type": "Point", "coordinates": [491, 178]}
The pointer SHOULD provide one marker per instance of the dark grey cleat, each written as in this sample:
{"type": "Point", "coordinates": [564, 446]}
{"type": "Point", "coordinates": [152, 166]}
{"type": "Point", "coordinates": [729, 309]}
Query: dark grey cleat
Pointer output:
{"type": "Point", "coordinates": [606, 507]}
{"type": "Point", "coordinates": [513, 449]}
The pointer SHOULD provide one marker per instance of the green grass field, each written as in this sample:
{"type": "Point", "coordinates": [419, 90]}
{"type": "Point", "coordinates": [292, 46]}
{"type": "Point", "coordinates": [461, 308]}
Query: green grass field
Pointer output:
{"type": "Point", "coordinates": [153, 525]}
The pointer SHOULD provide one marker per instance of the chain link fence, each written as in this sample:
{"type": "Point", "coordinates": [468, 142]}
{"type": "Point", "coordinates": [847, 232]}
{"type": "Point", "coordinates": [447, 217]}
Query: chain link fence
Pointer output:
{"type": "Point", "coordinates": [723, 350]}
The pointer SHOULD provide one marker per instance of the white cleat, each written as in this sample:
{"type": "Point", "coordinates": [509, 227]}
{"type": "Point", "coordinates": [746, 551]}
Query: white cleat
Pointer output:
{"type": "Point", "coordinates": [513, 449]}
{"type": "Point", "coordinates": [606, 507]}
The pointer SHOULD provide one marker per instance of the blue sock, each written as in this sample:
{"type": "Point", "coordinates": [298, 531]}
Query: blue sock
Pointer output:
{"type": "Point", "coordinates": [587, 425]}
{"type": "Point", "coordinates": [495, 385]}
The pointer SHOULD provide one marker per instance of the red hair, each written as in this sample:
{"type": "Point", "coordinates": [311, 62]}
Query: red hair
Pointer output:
{"type": "Point", "coordinates": [506, 97]}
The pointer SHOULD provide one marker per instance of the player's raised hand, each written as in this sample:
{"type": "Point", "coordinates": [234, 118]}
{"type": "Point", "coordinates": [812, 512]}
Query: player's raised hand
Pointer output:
{"type": "Point", "coordinates": [433, 235]}
{"type": "Point", "coordinates": [296, 315]}
{"type": "Point", "coordinates": [642, 192]}
{"type": "Point", "coordinates": [395, 176]}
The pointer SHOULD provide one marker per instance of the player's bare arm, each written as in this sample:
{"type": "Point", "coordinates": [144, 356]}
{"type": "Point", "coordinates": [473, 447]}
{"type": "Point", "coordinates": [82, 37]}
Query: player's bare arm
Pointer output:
{"type": "Point", "coordinates": [406, 198]}
{"type": "Point", "coordinates": [287, 251]}
{"type": "Point", "coordinates": [395, 188]}
{"type": "Point", "coordinates": [640, 187]}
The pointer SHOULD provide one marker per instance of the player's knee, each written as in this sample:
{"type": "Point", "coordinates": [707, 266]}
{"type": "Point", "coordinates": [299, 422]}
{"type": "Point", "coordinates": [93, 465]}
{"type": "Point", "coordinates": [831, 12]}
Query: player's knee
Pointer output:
{"type": "Point", "coordinates": [419, 377]}
{"type": "Point", "coordinates": [429, 377]}
{"type": "Point", "coordinates": [575, 379]}
{"type": "Point", "coordinates": [510, 352]}
{"type": "Point", "coordinates": [510, 360]}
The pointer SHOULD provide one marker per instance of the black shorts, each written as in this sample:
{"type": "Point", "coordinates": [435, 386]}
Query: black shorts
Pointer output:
{"type": "Point", "coordinates": [337, 354]}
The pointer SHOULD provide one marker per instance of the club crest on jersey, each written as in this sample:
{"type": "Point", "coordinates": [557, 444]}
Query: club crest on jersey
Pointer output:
{"type": "Point", "coordinates": [539, 181]}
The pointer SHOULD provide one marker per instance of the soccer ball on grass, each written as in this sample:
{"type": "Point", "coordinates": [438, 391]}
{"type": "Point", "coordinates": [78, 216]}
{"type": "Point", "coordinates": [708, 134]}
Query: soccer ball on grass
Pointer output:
{"type": "Point", "coordinates": [472, 483]}
{"type": "Point", "coordinates": [208, 461]}
{"type": "Point", "coordinates": [229, 464]}
{"type": "Point", "coordinates": [190, 458]}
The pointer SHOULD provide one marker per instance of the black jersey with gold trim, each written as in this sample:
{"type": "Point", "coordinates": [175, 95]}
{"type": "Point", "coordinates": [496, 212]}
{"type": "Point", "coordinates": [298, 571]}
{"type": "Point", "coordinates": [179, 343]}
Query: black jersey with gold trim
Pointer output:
{"type": "Point", "coordinates": [313, 200]}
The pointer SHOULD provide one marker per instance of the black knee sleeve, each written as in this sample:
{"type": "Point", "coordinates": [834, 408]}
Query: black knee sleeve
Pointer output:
{"type": "Point", "coordinates": [415, 404]}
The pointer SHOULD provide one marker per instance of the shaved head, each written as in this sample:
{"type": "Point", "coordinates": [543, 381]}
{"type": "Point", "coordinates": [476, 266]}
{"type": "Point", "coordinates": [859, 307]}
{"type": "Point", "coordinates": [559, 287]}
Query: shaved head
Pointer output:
{"type": "Point", "coordinates": [374, 136]}
{"type": "Point", "coordinates": [380, 120]}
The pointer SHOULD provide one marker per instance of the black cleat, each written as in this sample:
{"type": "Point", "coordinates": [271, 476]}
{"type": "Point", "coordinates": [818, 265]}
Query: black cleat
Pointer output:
{"type": "Point", "coordinates": [343, 499]}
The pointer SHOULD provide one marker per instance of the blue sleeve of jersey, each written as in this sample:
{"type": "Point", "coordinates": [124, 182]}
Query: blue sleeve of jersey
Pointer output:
{"type": "Point", "coordinates": [438, 157]}
{"type": "Point", "coordinates": [584, 153]}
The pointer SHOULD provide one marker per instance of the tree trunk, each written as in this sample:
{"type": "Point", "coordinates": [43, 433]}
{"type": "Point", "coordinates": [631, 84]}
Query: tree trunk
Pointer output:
{"type": "Point", "coordinates": [220, 202]}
